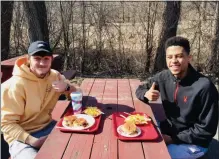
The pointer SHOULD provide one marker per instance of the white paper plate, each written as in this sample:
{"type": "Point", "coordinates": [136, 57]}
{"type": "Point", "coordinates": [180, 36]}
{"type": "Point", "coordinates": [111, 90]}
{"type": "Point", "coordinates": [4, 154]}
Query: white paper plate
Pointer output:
{"type": "Point", "coordinates": [90, 120]}
{"type": "Point", "coordinates": [121, 132]}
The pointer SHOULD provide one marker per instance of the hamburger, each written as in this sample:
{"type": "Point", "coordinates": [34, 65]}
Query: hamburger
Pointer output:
{"type": "Point", "coordinates": [69, 120]}
{"type": "Point", "coordinates": [129, 128]}
{"type": "Point", "coordinates": [80, 122]}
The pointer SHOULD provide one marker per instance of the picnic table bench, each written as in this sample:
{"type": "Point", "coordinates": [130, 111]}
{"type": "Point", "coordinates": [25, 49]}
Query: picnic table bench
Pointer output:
{"type": "Point", "coordinates": [111, 95]}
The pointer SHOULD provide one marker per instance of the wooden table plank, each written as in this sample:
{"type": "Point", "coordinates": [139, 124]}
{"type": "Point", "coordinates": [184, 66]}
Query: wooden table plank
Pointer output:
{"type": "Point", "coordinates": [56, 142]}
{"type": "Point", "coordinates": [131, 149]}
{"type": "Point", "coordinates": [86, 86]}
{"type": "Point", "coordinates": [105, 143]}
{"type": "Point", "coordinates": [54, 146]}
{"type": "Point", "coordinates": [80, 145]}
{"type": "Point", "coordinates": [60, 107]}
{"type": "Point", "coordinates": [134, 83]}
{"type": "Point", "coordinates": [152, 149]}
{"type": "Point", "coordinates": [125, 103]}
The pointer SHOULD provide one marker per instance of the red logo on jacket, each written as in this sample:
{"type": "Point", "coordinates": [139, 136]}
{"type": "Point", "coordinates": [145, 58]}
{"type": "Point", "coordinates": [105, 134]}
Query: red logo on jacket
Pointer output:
{"type": "Point", "coordinates": [185, 99]}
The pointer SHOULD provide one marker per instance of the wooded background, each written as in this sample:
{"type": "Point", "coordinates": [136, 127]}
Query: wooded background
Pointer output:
{"type": "Point", "coordinates": [112, 38]}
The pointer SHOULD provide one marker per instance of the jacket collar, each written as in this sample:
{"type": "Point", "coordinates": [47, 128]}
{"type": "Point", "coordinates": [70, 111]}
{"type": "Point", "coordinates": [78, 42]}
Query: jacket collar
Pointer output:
{"type": "Point", "coordinates": [191, 73]}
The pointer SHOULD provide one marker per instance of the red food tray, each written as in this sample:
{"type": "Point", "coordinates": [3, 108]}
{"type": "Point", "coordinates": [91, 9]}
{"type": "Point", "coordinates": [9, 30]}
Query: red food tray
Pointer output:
{"type": "Point", "coordinates": [89, 130]}
{"type": "Point", "coordinates": [148, 131]}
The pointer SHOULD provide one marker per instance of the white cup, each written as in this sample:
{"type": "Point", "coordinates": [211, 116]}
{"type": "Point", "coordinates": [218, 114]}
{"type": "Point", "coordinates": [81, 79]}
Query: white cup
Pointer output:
{"type": "Point", "coordinates": [76, 98]}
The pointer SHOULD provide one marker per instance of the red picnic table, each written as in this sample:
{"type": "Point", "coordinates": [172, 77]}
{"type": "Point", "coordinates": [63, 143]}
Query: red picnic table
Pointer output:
{"type": "Point", "coordinates": [111, 95]}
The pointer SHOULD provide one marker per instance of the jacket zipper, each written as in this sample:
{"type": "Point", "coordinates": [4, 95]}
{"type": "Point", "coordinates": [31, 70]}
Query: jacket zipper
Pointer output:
{"type": "Point", "coordinates": [176, 91]}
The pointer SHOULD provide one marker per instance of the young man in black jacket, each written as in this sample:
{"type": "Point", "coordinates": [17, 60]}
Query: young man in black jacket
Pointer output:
{"type": "Point", "coordinates": [190, 102]}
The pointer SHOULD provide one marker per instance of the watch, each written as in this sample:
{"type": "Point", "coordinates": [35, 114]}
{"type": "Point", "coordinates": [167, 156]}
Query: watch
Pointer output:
{"type": "Point", "coordinates": [68, 87]}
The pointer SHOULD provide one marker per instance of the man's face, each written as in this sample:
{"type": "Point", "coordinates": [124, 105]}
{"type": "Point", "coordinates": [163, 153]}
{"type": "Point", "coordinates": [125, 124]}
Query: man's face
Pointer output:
{"type": "Point", "coordinates": [40, 65]}
{"type": "Point", "coordinates": [177, 60]}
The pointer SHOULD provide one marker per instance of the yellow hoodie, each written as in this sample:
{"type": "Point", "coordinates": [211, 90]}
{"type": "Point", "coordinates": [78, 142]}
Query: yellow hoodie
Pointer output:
{"type": "Point", "coordinates": [26, 102]}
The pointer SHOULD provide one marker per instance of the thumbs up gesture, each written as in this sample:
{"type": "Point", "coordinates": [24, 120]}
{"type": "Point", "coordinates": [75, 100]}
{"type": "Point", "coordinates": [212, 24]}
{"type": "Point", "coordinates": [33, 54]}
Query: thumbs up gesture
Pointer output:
{"type": "Point", "coordinates": [60, 85]}
{"type": "Point", "coordinates": [152, 94]}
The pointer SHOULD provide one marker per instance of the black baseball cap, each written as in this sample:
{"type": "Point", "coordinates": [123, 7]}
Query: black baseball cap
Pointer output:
{"type": "Point", "coordinates": [41, 47]}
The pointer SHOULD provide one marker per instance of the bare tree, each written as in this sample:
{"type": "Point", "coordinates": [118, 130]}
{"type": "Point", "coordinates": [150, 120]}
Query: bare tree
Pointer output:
{"type": "Point", "coordinates": [100, 34]}
{"type": "Point", "coordinates": [171, 17]}
{"type": "Point", "coordinates": [53, 18]}
{"type": "Point", "coordinates": [37, 20]}
{"type": "Point", "coordinates": [66, 15]}
{"type": "Point", "coordinates": [83, 12]}
{"type": "Point", "coordinates": [6, 17]}
{"type": "Point", "coordinates": [213, 64]}
{"type": "Point", "coordinates": [120, 37]}
{"type": "Point", "coordinates": [204, 8]}
{"type": "Point", "coordinates": [198, 29]}
{"type": "Point", "coordinates": [17, 31]}
{"type": "Point", "coordinates": [151, 17]}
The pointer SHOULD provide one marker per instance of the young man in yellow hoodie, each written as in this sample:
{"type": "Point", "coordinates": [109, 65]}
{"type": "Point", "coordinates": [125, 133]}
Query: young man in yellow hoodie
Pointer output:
{"type": "Point", "coordinates": [27, 100]}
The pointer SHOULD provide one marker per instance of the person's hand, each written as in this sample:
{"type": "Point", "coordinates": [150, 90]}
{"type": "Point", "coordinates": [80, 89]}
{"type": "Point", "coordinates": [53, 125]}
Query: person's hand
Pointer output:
{"type": "Point", "coordinates": [60, 85]}
{"type": "Point", "coordinates": [152, 94]}
{"type": "Point", "coordinates": [36, 142]}
{"type": "Point", "coordinates": [168, 140]}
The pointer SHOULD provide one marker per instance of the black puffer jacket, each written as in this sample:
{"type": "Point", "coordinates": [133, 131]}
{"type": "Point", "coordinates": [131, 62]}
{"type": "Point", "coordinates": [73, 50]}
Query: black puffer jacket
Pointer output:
{"type": "Point", "coordinates": [190, 104]}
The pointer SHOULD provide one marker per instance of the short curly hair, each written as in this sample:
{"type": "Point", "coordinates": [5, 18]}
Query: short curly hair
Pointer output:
{"type": "Point", "coordinates": [178, 41]}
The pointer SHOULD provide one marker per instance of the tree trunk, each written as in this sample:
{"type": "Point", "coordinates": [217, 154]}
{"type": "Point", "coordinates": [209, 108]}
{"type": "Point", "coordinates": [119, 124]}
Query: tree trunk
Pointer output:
{"type": "Point", "coordinates": [148, 47]}
{"type": "Point", "coordinates": [84, 36]}
{"type": "Point", "coordinates": [204, 10]}
{"type": "Point", "coordinates": [66, 14]}
{"type": "Point", "coordinates": [199, 35]}
{"type": "Point", "coordinates": [100, 36]}
{"type": "Point", "coordinates": [6, 17]}
{"type": "Point", "coordinates": [37, 20]}
{"type": "Point", "coordinates": [213, 64]}
{"type": "Point", "coordinates": [171, 17]}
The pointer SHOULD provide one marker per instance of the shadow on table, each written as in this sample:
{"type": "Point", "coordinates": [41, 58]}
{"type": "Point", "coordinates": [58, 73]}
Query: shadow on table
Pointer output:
{"type": "Point", "coordinates": [109, 109]}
